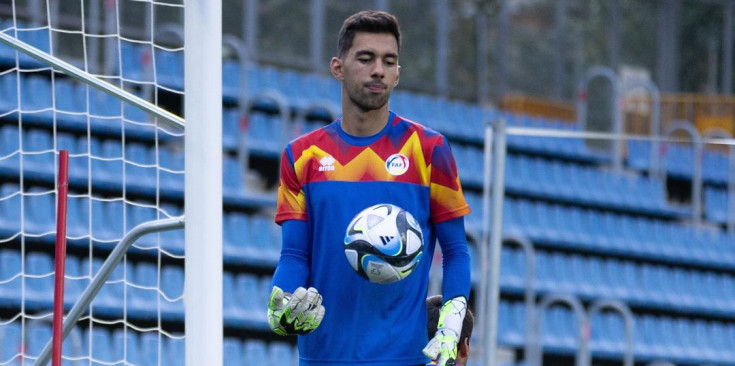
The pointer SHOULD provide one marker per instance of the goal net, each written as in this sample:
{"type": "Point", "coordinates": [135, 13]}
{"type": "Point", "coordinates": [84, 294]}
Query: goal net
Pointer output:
{"type": "Point", "coordinates": [126, 168]}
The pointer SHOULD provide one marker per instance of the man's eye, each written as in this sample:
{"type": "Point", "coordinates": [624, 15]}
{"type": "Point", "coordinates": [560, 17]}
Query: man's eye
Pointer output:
{"type": "Point", "coordinates": [363, 60]}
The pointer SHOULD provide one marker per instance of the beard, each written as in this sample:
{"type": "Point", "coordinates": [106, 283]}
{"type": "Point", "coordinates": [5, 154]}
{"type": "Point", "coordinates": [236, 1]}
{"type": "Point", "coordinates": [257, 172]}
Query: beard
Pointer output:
{"type": "Point", "coordinates": [368, 101]}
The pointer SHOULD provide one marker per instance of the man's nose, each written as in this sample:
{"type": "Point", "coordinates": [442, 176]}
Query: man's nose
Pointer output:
{"type": "Point", "coordinates": [378, 70]}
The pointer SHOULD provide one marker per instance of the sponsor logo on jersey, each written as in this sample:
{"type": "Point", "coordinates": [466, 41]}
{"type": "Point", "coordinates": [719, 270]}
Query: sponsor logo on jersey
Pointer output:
{"type": "Point", "coordinates": [396, 164]}
{"type": "Point", "coordinates": [326, 164]}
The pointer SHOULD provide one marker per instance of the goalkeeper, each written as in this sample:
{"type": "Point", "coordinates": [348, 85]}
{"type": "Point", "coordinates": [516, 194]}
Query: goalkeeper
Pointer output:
{"type": "Point", "coordinates": [326, 178]}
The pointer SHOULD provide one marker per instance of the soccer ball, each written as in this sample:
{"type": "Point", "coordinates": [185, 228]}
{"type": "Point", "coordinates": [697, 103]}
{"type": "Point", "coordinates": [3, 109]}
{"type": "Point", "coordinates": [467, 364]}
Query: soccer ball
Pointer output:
{"type": "Point", "coordinates": [384, 243]}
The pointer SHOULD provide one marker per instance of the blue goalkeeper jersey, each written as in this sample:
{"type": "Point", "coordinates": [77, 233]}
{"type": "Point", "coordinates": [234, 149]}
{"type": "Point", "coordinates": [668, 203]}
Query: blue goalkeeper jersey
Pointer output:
{"type": "Point", "coordinates": [326, 178]}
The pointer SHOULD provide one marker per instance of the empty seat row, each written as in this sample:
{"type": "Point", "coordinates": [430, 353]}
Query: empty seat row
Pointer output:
{"type": "Point", "coordinates": [146, 291]}
{"type": "Point", "coordinates": [611, 233]}
{"type": "Point", "coordinates": [678, 160]}
{"type": "Point", "coordinates": [643, 284]}
{"type": "Point", "coordinates": [717, 205]}
{"type": "Point", "coordinates": [562, 147]}
{"type": "Point", "coordinates": [141, 168]}
{"type": "Point", "coordinates": [38, 37]}
{"type": "Point", "coordinates": [558, 180]}
{"type": "Point", "coordinates": [682, 340]}
{"type": "Point", "coordinates": [71, 105]}
{"type": "Point", "coordinates": [248, 238]}
{"type": "Point", "coordinates": [113, 346]}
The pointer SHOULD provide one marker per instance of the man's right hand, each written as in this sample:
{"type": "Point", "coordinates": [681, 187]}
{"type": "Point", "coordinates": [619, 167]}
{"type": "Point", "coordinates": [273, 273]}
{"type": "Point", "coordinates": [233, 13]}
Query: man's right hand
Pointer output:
{"type": "Point", "coordinates": [297, 313]}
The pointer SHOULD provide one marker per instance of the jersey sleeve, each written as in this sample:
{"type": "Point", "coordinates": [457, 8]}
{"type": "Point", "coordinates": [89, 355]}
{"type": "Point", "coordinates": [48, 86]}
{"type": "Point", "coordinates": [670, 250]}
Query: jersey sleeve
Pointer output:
{"type": "Point", "coordinates": [291, 202]}
{"type": "Point", "coordinates": [447, 200]}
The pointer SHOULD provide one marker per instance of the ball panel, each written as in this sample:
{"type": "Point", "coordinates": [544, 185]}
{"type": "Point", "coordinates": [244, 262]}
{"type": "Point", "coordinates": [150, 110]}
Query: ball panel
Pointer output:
{"type": "Point", "coordinates": [379, 271]}
{"type": "Point", "coordinates": [383, 243]}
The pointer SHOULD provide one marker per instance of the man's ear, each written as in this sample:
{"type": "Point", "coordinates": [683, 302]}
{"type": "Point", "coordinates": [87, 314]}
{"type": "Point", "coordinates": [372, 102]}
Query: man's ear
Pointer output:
{"type": "Point", "coordinates": [335, 66]}
{"type": "Point", "coordinates": [398, 78]}
{"type": "Point", "coordinates": [463, 350]}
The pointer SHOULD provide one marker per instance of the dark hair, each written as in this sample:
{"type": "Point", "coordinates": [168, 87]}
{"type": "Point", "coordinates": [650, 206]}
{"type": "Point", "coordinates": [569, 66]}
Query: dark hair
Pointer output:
{"type": "Point", "coordinates": [370, 21]}
{"type": "Point", "coordinates": [434, 306]}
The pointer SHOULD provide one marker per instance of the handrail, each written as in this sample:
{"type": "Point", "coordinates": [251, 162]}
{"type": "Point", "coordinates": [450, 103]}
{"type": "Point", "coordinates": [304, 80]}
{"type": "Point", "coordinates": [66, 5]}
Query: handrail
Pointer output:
{"type": "Point", "coordinates": [688, 127]}
{"type": "Point", "coordinates": [530, 287]}
{"type": "Point", "coordinates": [576, 306]}
{"type": "Point", "coordinates": [624, 310]}
{"type": "Point", "coordinates": [654, 164]}
{"type": "Point", "coordinates": [616, 123]}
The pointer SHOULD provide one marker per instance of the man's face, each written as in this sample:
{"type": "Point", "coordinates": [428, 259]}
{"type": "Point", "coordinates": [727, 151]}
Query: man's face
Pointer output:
{"type": "Point", "coordinates": [369, 69]}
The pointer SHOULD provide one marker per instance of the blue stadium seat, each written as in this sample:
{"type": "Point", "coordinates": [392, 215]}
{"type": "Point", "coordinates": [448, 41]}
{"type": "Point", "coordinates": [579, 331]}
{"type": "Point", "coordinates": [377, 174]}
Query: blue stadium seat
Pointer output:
{"type": "Point", "coordinates": [265, 284]}
{"type": "Point", "coordinates": [280, 353]}
{"type": "Point", "coordinates": [716, 204]}
{"type": "Point", "coordinates": [511, 268]}
{"type": "Point", "coordinates": [232, 311]}
{"type": "Point", "coordinates": [645, 341]}
{"type": "Point", "coordinates": [266, 235]}
{"type": "Point", "coordinates": [292, 85]}
{"type": "Point", "coordinates": [38, 334]}
{"type": "Point", "coordinates": [117, 345]}
{"type": "Point", "coordinates": [9, 91]}
{"type": "Point", "coordinates": [233, 352]}
{"type": "Point", "coordinates": [175, 351]}
{"type": "Point", "coordinates": [238, 239]}
{"type": "Point", "coordinates": [172, 286]}
{"type": "Point", "coordinates": [136, 61]}
{"type": "Point", "coordinates": [261, 129]}
{"type": "Point", "coordinates": [246, 291]}
{"type": "Point", "coordinates": [39, 280]}
{"type": "Point", "coordinates": [139, 214]}
{"type": "Point", "coordinates": [172, 242]}
{"type": "Point", "coordinates": [255, 352]}
{"type": "Point", "coordinates": [143, 290]}
{"type": "Point", "coordinates": [171, 171]}
{"type": "Point", "coordinates": [38, 148]}
{"type": "Point", "coordinates": [169, 68]}
{"type": "Point", "coordinates": [102, 349]}
{"type": "Point", "coordinates": [231, 79]}
{"type": "Point", "coordinates": [102, 104]}
{"type": "Point", "coordinates": [9, 145]}
{"type": "Point", "coordinates": [230, 128]}
{"type": "Point", "coordinates": [78, 159]}
{"type": "Point", "coordinates": [233, 181]}
{"type": "Point", "coordinates": [511, 320]}
{"type": "Point", "coordinates": [107, 223]}
{"type": "Point", "coordinates": [108, 298]}
{"type": "Point", "coordinates": [77, 217]}
{"type": "Point", "coordinates": [10, 341]}
{"type": "Point", "coordinates": [35, 97]}
{"type": "Point", "coordinates": [107, 165]}
{"type": "Point", "coordinates": [9, 210]}
{"type": "Point", "coordinates": [140, 171]}
{"type": "Point", "coordinates": [37, 37]}
{"type": "Point", "coordinates": [131, 345]}
{"type": "Point", "coordinates": [10, 277]}
{"type": "Point", "coordinates": [149, 348]}
{"type": "Point", "coordinates": [73, 284]}
{"type": "Point", "coordinates": [71, 103]}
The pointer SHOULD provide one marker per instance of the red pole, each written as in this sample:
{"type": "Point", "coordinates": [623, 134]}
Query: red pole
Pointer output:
{"type": "Point", "coordinates": [58, 321]}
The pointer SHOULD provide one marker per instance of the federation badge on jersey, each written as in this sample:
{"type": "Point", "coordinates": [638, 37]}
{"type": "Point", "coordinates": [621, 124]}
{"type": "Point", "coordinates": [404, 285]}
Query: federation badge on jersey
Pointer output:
{"type": "Point", "coordinates": [396, 164]}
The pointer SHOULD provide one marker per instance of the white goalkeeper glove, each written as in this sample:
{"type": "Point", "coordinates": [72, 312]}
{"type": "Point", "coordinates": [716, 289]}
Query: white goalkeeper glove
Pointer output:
{"type": "Point", "coordinates": [297, 313]}
{"type": "Point", "coordinates": [443, 347]}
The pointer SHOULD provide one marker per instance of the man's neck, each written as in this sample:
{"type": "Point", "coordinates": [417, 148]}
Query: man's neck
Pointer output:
{"type": "Point", "coordinates": [357, 122]}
